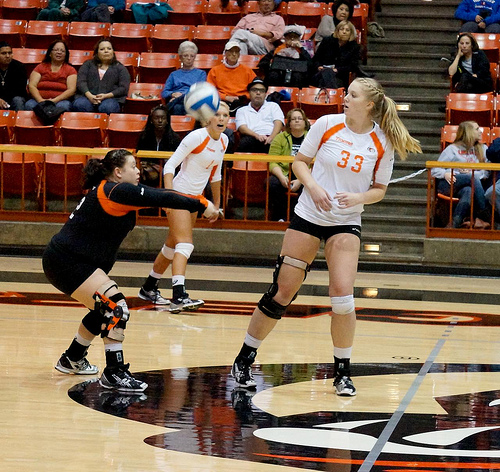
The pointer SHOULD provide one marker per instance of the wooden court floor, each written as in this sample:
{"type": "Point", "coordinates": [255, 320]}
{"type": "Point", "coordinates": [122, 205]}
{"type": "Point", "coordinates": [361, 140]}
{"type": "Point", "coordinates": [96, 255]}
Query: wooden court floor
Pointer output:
{"type": "Point", "coordinates": [426, 366]}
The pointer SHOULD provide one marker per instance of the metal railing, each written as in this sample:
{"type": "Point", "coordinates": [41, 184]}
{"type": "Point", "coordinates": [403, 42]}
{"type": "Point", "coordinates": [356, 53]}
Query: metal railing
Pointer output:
{"type": "Point", "coordinates": [39, 183]}
{"type": "Point", "coordinates": [440, 207]}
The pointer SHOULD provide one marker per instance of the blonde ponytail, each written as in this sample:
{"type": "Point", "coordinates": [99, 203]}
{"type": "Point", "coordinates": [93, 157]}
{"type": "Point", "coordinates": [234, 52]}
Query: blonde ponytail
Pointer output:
{"type": "Point", "coordinates": [386, 115]}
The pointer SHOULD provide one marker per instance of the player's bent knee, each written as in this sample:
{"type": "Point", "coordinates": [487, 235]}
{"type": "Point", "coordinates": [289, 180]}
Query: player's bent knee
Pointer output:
{"type": "Point", "coordinates": [168, 252]}
{"type": "Point", "coordinates": [185, 249]}
{"type": "Point", "coordinates": [271, 308]}
{"type": "Point", "coordinates": [93, 322]}
{"type": "Point", "coordinates": [343, 305]}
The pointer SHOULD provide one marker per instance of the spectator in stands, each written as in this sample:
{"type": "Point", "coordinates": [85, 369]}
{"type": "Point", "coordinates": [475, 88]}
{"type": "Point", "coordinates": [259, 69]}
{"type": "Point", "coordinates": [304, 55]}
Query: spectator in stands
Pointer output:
{"type": "Point", "coordinates": [179, 81]}
{"type": "Point", "coordinates": [289, 64]}
{"type": "Point", "coordinates": [286, 143]}
{"type": "Point", "coordinates": [479, 16]}
{"type": "Point", "coordinates": [103, 81]}
{"type": "Point", "coordinates": [466, 148]}
{"type": "Point", "coordinates": [470, 70]}
{"type": "Point", "coordinates": [54, 79]}
{"type": "Point", "coordinates": [342, 10]}
{"type": "Point", "coordinates": [337, 56]}
{"type": "Point", "coordinates": [62, 10]}
{"type": "Point", "coordinates": [256, 32]}
{"type": "Point", "coordinates": [103, 11]}
{"type": "Point", "coordinates": [259, 121]}
{"type": "Point", "coordinates": [232, 78]}
{"type": "Point", "coordinates": [157, 135]}
{"type": "Point", "coordinates": [13, 80]}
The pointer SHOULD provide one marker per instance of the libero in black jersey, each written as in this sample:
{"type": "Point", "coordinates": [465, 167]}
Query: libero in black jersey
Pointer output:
{"type": "Point", "coordinates": [79, 257]}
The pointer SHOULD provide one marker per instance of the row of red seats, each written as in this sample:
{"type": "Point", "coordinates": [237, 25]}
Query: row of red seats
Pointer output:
{"type": "Point", "coordinates": [118, 130]}
{"type": "Point", "coordinates": [196, 12]}
{"type": "Point", "coordinates": [123, 129]}
{"type": "Point", "coordinates": [152, 67]}
{"type": "Point", "coordinates": [124, 36]}
{"type": "Point", "coordinates": [449, 132]}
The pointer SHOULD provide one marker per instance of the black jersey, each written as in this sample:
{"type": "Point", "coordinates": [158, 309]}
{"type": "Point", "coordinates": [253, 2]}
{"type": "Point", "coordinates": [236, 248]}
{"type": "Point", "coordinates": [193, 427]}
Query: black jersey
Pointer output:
{"type": "Point", "coordinates": [104, 217]}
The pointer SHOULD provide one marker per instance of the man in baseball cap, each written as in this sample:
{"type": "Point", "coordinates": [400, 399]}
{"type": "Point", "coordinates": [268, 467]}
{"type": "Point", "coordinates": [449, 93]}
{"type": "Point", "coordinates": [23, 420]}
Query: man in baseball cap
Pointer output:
{"type": "Point", "coordinates": [231, 78]}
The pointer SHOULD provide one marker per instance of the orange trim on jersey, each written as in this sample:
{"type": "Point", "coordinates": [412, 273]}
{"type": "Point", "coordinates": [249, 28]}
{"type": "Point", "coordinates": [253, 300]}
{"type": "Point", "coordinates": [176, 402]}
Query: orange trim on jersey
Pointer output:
{"type": "Point", "coordinates": [330, 132]}
{"type": "Point", "coordinates": [110, 207]}
{"type": "Point", "coordinates": [201, 198]}
{"type": "Point", "coordinates": [202, 146]}
{"type": "Point", "coordinates": [213, 172]}
{"type": "Point", "coordinates": [380, 152]}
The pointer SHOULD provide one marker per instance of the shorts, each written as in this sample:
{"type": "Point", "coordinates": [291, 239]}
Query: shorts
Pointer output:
{"type": "Point", "coordinates": [63, 270]}
{"type": "Point", "coordinates": [322, 232]}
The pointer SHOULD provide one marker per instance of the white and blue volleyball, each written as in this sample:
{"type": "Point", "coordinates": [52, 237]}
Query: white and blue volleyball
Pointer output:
{"type": "Point", "coordinates": [202, 101]}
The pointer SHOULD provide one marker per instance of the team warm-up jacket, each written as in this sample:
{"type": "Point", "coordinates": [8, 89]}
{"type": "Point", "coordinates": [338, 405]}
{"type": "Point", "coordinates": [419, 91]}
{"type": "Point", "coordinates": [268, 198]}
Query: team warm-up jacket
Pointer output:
{"type": "Point", "coordinates": [104, 217]}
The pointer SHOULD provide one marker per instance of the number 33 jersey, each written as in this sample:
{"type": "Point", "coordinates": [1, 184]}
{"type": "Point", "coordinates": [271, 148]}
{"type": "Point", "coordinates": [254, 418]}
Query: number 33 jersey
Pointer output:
{"type": "Point", "coordinates": [345, 162]}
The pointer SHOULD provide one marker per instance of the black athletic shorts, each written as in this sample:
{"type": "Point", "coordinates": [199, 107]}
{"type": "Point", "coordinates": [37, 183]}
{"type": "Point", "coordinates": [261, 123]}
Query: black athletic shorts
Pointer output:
{"type": "Point", "coordinates": [64, 270]}
{"type": "Point", "coordinates": [322, 232]}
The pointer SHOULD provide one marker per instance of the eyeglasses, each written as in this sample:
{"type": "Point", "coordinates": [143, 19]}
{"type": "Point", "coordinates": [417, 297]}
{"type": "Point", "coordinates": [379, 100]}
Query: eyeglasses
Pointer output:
{"type": "Point", "coordinates": [258, 90]}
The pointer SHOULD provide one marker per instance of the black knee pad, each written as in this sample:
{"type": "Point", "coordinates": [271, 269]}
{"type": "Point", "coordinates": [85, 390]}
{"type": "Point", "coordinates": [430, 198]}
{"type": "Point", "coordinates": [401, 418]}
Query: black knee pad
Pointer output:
{"type": "Point", "coordinates": [271, 308]}
{"type": "Point", "coordinates": [93, 321]}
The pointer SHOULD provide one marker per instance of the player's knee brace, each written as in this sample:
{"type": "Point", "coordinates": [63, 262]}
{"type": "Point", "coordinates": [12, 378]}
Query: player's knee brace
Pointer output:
{"type": "Point", "coordinates": [168, 252]}
{"type": "Point", "coordinates": [113, 310]}
{"type": "Point", "coordinates": [267, 304]}
{"type": "Point", "coordinates": [343, 305]}
{"type": "Point", "coordinates": [185, 249]}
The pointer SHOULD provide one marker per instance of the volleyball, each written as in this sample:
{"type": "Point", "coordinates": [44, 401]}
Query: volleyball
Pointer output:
{"type": "Point", "coordinates": [202, 101]}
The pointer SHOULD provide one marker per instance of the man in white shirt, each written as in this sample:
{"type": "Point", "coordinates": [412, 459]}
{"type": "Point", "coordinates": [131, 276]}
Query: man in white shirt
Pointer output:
{"type": "Point", "coordinates": [259, 121]}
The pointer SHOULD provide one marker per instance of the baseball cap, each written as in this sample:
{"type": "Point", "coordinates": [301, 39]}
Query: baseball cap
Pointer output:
{"type": "Point", "coordinates": [232, 44]}
{"type": "Point", "coordinates": [255, 82]}
{"type": "Point", "coordinates": [298, 30]}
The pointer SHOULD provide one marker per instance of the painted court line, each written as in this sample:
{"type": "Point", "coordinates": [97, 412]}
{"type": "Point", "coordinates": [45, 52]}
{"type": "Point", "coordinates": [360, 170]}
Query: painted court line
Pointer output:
{"type": "Point", "coordinates": [384, 437]}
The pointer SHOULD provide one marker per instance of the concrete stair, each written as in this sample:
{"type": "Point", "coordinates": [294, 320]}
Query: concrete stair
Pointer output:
{"type": "Point", "coordinates": [407, 63]}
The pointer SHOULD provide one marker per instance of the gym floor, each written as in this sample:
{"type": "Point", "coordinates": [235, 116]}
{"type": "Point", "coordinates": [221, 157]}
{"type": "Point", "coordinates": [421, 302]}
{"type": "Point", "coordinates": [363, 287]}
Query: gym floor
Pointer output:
{"type": "Point", "coordinates": [426, 367]}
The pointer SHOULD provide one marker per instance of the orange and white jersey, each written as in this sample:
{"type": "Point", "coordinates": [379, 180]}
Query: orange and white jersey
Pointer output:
{"type": "Point", "coordinates": [201, 158]}
{"type": "Point", "coordinates": [345, 162]}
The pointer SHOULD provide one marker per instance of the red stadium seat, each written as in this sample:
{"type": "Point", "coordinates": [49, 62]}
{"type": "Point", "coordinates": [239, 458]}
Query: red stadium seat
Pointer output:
{"type": "Point", "coordinates": [490, 44]}
{"type": "Point", "coordinates": [207, 61]}
{"type": "Point", "coordinates": [39, 34]}
{"type": "Point", "coordinates": [167, 38]}
{"type": "Point", "coordinates": [84, 35]}
{"type": "Point", "coordinates": [77, 57]}
{"type": "Point", "coordinates": [30, 130]}
{"type": "Point", "coordinates": [21, 9]}
{"type": "Point", "coordinates": [246, 183]}
{"type": "Point", "coordinates": [82, 129]}
{"type": "Point", "coordinates": [13, 32]}
{"type": "Point", "coordinates": [307, 14]}
{"type": "Point", "coordinates": [216, 15]}
{"type": "Point", "coordinates": [7, 123]}
{"type": "Point", "coordinates": [124, 129]}
{"type": "Point", "coordinates": [182, 124]}
{"type": "Point", "coordinates": [251, 60]}
{"type": "Point", "coordinates": [130, 60]}
{"type": "Point", "coordinates": [469, 106]}
{"type": "Point", "coordinates": [211, 39]}
{"type": "Point", "coordinates": [29, 57]}
{"type": "Point", "coordinates": [131, 37]}
{"type": "Point", "coordinates": [187, 12]}
{"type": "Point", "coordinates": [19, 174]}
{"type": "Point", "coordinates": [142, 97]}
{"type": "Point", "coordinates": [317, 102]}
{"type": "Point", "coordinates": [62, 174]}
{"type": "Point", "coordinates": [156, 67]}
